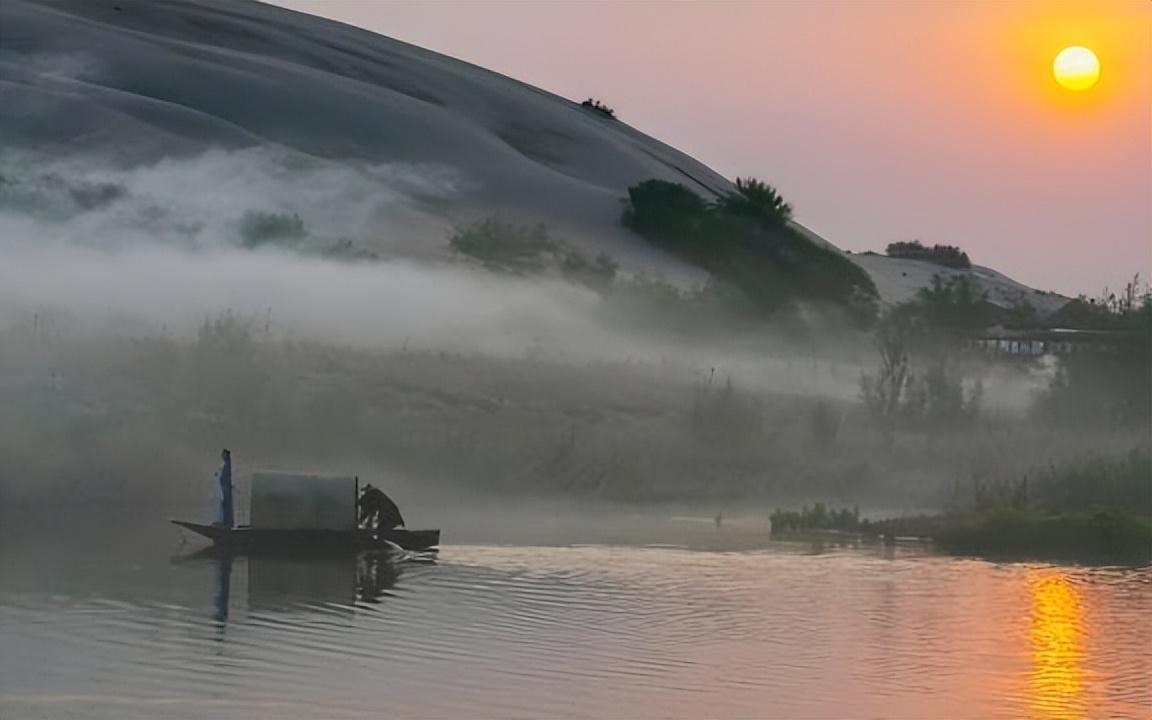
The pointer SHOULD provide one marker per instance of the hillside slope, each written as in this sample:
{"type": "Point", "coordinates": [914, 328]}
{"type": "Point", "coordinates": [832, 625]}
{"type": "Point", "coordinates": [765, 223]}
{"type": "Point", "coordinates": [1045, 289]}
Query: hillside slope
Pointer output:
{"type": "Point", "coordinates": [134, 81]}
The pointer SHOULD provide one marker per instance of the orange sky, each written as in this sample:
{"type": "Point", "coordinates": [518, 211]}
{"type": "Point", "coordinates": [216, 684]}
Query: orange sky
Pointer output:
{"type": "Point", "coordinates": [879, 121]}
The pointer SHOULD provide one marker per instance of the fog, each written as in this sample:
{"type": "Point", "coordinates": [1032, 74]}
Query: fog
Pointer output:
{"type": "Point", "coordinates": [139, 333]}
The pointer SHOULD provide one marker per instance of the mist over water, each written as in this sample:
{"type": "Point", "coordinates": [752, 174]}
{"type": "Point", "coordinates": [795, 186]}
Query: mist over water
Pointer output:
{"type": "Point", "coordinates": [143, 328]}
{"type": "Point", "coordinates": [602, 475]}
{"type": "Point", "coordinates": [675, 464]}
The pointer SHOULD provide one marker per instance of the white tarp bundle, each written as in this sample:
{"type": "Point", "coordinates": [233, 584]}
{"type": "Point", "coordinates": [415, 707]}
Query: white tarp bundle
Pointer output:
{"type": "Point", "coordinates": [288, 501]}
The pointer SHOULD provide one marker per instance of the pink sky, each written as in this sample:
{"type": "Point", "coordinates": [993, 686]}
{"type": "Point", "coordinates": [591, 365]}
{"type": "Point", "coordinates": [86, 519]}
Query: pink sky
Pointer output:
{"type": "Point", "coordinates": [879, 121]}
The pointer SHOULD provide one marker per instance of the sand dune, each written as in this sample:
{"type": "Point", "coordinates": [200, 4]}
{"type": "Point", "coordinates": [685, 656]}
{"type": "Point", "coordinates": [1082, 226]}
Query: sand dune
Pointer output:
{"type": "Point", "coordinates": [133, 81]}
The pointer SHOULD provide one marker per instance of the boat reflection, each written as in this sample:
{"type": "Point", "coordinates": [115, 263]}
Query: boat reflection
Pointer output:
{"type": "Point", "coordinates": [281, 582]}
{"type": "Point", "coordinates": [1057, 631]}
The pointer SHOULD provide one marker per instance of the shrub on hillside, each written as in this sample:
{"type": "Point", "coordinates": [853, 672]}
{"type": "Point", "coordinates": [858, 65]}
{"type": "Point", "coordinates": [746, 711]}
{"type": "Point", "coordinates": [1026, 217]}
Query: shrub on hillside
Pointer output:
{"type": "Point", "coordinates": [261, 228]}
{"type": "Point", "coordinates": [756, 199]}
{"type": "Point", "coordinates": [503, 245]}
{"type": "Point", "coordinates": [666, 213]}
{"type": "Point", "coordinates": [599, 107]}
{"type": "Point", "coordinates": [598, 272]}
{"type": "Point", "coordinates": [508, 247]}
{"type": "Point", "coordinates": [946, 255]}
{"type": "Point", "coordinates": [744, 240]}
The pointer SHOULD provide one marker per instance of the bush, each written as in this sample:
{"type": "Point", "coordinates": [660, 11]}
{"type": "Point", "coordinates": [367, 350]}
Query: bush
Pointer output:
{"type": "Point", "coordinates": [818, 517]}
{"type": "Point", "coordinates": [503, 245]}
{"type": "Point", "coordinates": [1098, 482]}
{"type": "Point", "coordinates": [758, 200]}
{"type": "Point", "coordinates": [599, 272]}
{"type": "Point", "coordinates": [744, 240]}
{"type": "Point", "coordinates": [260, 228]}
{"type": "Point", "coordinates": [946, 255]}
{"type": "Point", "coordinates": [1110, 385]}
{"type": "Point", "coordinates": [1009, 533]}
{"type": "Point", "coordinates": [929, 327]}
{"type": "Point", "coordinates": [949, 310]}
{"type": "Point", "coordinates": [667, 214]}
{"type": "Point", "coordinates": [599, 107]}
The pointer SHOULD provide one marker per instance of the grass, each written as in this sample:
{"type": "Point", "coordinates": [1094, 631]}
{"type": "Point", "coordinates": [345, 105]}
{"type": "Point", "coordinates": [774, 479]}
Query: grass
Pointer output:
{"type": "Point", "coordinates": [1105, 535]}
{"type": "Point", "coordinates": [100, 417]}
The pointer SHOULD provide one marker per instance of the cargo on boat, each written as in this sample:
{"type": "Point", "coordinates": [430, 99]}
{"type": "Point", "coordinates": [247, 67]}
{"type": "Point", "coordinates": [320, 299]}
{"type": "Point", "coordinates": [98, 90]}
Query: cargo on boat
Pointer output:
{"type": "Point", "coordinates": [299, 513]}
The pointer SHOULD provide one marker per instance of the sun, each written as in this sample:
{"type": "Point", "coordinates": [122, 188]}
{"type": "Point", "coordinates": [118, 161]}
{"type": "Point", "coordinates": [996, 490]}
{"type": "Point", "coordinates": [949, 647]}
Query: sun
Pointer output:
{"type": "Point", "coordinates": [1076, 68]}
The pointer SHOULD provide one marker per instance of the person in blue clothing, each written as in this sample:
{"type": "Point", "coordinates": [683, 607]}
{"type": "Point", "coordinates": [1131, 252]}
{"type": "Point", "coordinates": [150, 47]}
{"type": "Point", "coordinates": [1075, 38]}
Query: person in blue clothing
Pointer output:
{"type": "Point", "coordinates": [224, 479]}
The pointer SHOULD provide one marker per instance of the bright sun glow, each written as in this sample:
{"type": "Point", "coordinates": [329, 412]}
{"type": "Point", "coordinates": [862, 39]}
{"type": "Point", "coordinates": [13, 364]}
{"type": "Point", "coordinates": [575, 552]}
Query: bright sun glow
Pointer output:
{"type": "Point", "coordinates": [1076, 68]}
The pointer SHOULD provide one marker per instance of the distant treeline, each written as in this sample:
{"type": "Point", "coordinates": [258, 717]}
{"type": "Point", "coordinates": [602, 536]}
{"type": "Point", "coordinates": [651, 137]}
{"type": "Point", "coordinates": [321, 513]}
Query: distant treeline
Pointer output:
{"type": "Point", "coordinates": [946, 255]}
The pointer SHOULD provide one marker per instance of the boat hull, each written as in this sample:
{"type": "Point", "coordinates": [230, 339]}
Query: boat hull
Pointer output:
{"type": "Point", "coordinates": [249, 538]}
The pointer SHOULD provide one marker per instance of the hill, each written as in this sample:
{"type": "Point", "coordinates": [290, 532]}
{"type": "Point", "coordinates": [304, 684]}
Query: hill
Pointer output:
{"type": "Point", "coordinates": [134, 82]}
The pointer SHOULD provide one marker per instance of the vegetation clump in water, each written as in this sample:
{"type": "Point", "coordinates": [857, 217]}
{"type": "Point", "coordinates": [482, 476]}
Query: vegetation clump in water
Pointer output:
{"type": "Point", "coordinates": [816, 518]}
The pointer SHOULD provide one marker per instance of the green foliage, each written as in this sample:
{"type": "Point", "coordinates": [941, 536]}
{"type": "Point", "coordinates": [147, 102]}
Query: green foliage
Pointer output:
{"type": "Point", "coordinates": [1130, 309]}
{"type": "Point", "coordinates": [345, 250]}
{"type": "Point", "coordinates": [597, 273]}
{"type": "Point", "coordinates": [507, 247]}
{"type": "Point", "coordinates": [599, 107]}
{"type": "Point", "coordinates": [937, 398]}
{"type": "Point", "coordinates": [1112, 385]}
{"type": "Point", "coordinates": [1013, 533]}
{"type": "Point", "coordinates": [946, 255]}
{"type": "Point", "coordinates": [666, 213]}
{"type": "Point", "coordinates": [815, 518]}
{"type": "Point", "coordinates": [261, 228]}
{"type": "Point", "coordinates": [1022, 313]}
{"type": "Point", "coordinates": [503, 245]}
{"type": "Point", "coordinates": [744, 240]}
{"type": "Point", "coordinates": [758, 200]}
{"type": "Point", "coordinates": [927, 328]}
{"type": "Point", "coordinates": [949, 309]}
{"type": "Point", "coordinates": [1096, 481]}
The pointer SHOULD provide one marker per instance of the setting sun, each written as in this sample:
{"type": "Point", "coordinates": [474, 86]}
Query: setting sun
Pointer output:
{"type": "Point", "coordinates": [1076, 68]}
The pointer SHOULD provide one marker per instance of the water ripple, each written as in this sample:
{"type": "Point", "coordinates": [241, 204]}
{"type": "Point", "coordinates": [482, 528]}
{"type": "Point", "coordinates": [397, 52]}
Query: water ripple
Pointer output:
{"type": "Point", "coordinates": [589, 631]}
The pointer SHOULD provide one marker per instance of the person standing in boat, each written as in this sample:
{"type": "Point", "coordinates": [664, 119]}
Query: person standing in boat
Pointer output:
{"type": "Point", "coordinates": [377, 511]}
{"type": "Point", "coordinates": [224, 483]}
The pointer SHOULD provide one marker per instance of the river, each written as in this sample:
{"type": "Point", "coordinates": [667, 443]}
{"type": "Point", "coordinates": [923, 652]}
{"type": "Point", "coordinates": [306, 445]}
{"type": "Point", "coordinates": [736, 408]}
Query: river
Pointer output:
{"type": "Point", "coordinates": [691, 621]}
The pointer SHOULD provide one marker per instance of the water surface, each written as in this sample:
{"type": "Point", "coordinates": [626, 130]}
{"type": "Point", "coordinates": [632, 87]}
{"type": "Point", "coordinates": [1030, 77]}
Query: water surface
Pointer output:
{"type": "Point", "coordinates": [723, 624]}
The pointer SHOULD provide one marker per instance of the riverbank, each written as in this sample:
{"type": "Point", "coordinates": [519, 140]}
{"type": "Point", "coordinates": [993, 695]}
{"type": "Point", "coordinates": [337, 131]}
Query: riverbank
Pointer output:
{"type": "Point", "coordinates": [1101, 536]}
{"type": "Point", "coordinates": [1108, 535]}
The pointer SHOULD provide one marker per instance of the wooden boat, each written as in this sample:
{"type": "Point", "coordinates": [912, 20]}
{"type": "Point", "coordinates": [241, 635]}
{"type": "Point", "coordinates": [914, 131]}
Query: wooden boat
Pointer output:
{"type": "Point", "coordinates": [249, 538]}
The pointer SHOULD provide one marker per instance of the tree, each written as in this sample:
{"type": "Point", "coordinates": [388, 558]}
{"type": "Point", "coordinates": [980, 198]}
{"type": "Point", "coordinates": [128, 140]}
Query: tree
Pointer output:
{"type": "Point", "coordinates": [756, 199]}
{"type": "Point", "coordinates": [744, 240]}
{"type": "Point", "coordinates": [260, 228]}
{"type": "Point", "coordinates": [950, 309]}
{"type": "Point", "coordinates": [882, 393]}
{"type": "Point", "coordinates": [501, 244]}
{"type": "Point", "coordinates": [946, 255]}
{"type": "Point", "coordinates": [667, 212]}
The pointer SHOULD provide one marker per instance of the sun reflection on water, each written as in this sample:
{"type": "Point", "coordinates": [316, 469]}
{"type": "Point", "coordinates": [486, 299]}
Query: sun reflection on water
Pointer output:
{"type": "Point", "coordinates": [1057, 683]}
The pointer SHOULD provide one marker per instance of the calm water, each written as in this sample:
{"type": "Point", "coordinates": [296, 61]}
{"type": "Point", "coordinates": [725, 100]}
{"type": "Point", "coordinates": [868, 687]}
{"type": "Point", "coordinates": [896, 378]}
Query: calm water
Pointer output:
{"type": "Point", "coordinates": [724, 625]}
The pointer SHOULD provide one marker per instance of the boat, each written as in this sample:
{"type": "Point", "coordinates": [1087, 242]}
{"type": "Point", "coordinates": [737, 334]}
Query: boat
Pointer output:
{"type": "Point", "coordinates": [304, 513]}
{"type": "Point", "coordinates": [245, 537]}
